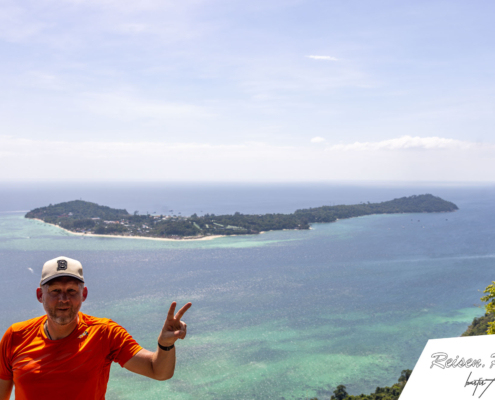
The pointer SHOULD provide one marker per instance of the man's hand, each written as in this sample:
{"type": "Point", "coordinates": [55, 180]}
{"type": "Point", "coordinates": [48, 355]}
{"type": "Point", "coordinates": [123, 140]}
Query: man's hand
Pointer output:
{"type": "Point", "coordinates": [173, 328]}
{"type": "Point", "coordinates": [160, 365]}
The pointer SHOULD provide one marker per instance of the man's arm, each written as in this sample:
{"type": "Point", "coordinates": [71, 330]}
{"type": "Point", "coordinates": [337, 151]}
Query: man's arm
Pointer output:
{"type": "Point", "coordinates": [5, 389]}
{"type": "Point", "coordinates": [160, 365]}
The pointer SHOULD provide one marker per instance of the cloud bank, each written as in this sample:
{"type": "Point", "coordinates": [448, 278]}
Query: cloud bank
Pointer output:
{"type": "Point", "coordinates": [407, 143]}
{"type": "Point", "coordinates": [326, 58]}
{"type": "Point", "coordinates": [405, 158]}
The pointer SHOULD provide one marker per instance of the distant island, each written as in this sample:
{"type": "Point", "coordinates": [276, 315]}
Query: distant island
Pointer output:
{"type": "Point", "coordinates": [84, 217]}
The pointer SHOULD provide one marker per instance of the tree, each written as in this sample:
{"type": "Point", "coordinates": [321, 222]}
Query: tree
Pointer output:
{"type": "Point", "coordinates": [404, 376]}
{"type": "Point", "coordinates": [339, 393]}
{"type": "Point", "coordinates": [489, 299]}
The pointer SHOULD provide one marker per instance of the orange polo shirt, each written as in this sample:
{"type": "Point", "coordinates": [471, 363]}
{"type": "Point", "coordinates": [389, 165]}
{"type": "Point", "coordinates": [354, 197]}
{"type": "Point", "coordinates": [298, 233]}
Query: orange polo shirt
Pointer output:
{"type": "Point", "coordinates": [75, 367]}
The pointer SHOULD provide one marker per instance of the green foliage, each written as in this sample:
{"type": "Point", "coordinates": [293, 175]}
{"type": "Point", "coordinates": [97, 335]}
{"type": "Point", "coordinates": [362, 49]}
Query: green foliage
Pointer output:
{"type": "Point", "coordinates": [404, 376]}
{"type": "Point", "coordinates": [484, 325]}
{"type": "Point", "coordinates": [412, 204]}
{"type": "Point", "coordinates": [175, 228]}
{"type": "Point", "coordinates": [479, 326]}
{"type": "Point", "coordinates": [489, 299]}
{"type": "Point", "coordinates": [90, 217]}
{"type": "Point", "coordinates": [82, 216]}
{"type": "Point", "coordinates": [339, 393]}
{"type": "Point", "coordinates": [79, 209]}
{"type": "Point", "coordinates": [381, 393]}
{"type": "Point", "coordinates": [110, 229]}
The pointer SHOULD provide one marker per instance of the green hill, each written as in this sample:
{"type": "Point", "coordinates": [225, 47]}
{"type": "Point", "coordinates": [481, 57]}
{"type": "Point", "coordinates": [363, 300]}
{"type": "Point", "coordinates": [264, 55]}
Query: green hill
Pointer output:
{"type": "Point", "coordinates": [77, 209]}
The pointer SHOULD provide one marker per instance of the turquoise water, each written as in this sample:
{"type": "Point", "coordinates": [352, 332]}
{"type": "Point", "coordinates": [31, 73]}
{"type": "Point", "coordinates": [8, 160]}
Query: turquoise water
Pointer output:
{"type": "Point", "coordinates": [280, 315]}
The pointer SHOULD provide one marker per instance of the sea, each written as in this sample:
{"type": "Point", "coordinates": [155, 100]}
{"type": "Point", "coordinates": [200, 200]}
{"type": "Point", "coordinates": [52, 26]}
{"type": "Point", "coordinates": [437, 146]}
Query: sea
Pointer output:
{"type": "Point", "coordinates": [280, 315]}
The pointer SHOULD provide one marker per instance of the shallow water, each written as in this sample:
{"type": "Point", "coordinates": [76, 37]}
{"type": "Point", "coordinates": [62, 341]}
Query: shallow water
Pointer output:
{"type": "Point", "coordinates": [287, 314]}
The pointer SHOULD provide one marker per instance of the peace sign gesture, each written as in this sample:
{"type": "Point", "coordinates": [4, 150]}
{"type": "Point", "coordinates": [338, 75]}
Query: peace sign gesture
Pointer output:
{"type": "Point", "coordinates": [173, 328]}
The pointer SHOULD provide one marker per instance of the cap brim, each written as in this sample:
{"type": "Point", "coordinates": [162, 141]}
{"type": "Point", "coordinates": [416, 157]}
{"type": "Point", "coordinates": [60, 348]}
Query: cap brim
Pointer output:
{"type": "Point", "coordinates": [60, 276]}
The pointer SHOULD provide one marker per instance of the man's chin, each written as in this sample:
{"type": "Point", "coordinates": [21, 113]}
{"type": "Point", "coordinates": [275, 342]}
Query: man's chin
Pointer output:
{"type": "Point", "coordinates": [63, 320]}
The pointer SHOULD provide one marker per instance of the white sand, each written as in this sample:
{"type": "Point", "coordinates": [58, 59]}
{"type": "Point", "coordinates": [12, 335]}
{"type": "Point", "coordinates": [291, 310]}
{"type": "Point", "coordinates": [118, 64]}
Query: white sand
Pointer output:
{"type": "Point", "coordinates": [134, 237]}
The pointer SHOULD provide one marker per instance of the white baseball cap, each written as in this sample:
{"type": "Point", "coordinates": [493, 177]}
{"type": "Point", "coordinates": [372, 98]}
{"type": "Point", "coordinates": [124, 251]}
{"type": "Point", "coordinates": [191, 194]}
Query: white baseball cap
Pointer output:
{"type": "Point", "coordinates": [61, 266]}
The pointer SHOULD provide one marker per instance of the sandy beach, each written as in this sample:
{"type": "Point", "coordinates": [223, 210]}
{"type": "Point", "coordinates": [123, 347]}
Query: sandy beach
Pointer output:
{"type": "Point", "coordinates": [132, 237]}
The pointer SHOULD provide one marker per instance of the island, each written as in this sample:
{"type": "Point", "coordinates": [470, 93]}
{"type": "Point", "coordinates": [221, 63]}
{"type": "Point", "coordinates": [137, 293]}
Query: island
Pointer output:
{"type": "Point", "coordinates": [88, 218]}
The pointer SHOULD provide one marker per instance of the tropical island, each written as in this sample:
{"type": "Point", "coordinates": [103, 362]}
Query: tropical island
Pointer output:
{"type": "Point", "coordinates": [84, 217]}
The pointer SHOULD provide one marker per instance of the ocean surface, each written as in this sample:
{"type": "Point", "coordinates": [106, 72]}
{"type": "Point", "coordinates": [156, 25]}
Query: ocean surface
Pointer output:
{"type": "Point", "coordinates": [281, 315]}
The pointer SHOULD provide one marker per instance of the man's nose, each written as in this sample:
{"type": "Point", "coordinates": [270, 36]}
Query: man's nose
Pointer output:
{"type": "Point", "coordinates": [63, 296]}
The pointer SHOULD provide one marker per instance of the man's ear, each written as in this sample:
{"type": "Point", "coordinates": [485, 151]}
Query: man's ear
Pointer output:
{"type": "Point", "coordinates": [85, 293]}
{"type": "Point", "coordinates": [39, 295]}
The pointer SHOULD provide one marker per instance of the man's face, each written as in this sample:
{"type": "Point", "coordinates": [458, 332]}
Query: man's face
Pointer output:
{"type": "Point", "coordinates": [62, 299]}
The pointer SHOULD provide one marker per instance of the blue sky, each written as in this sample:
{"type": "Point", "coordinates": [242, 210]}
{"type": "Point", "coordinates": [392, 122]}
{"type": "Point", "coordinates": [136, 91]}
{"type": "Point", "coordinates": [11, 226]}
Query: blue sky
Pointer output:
{"type": "Point", "coordinates": [214, 90]}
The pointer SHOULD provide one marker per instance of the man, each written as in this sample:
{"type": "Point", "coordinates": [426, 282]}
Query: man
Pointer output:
{"type": "Point", "coordinates": [66, 354]}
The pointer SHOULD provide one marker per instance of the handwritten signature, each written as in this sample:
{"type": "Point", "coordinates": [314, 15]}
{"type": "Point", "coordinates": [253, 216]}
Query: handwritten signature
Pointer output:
{"type": "Point", "coordinates": [479, 382]}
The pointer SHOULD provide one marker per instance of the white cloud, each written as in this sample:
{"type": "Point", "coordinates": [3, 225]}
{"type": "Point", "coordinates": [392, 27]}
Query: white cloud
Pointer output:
{"type": "Point", "coordinates": [24, 159]}
{"type": "Point", "coordinates": [326, 58]}
{"type": "Point", "coordinates": [407, 143]}
{"type": "Point", "coordinates": [317, 139]}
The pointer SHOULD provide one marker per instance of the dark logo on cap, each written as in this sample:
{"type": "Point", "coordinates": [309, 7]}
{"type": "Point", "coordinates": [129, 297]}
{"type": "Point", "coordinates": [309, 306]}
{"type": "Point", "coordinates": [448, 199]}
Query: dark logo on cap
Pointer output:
{"type": "Point", "coordinates": [62, 265]}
